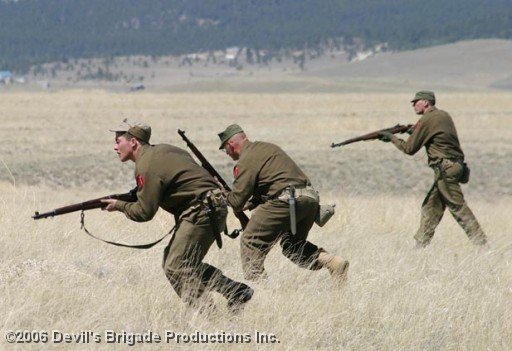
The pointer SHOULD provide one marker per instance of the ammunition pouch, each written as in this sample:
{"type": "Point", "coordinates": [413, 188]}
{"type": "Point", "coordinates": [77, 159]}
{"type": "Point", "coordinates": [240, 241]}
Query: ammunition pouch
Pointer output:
{"type": "Point", "coordinates": [464, 177]}
{"type": "Point", "coordinates": [217, 198]}
{"type": "Point", "coordinates": [443, 164]}
{"type": "Point", "coordinates": [191, 213]}
{"type": "Point", "coordinates": [325, 212]}
{"type": "Point", "coordinates": [307, 191]}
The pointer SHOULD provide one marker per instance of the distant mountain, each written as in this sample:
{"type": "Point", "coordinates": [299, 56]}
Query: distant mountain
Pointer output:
{"type": "Point", "coordinates": [36, 31]}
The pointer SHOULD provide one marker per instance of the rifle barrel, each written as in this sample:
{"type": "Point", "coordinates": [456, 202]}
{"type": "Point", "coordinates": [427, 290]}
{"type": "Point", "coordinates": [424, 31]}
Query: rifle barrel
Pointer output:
{"type": "Point", "coordinates": [38, 215]}
{"type": "Point", "coordinates": [374, 135]}
{"type": "Point", "coordinates": [131, 196]}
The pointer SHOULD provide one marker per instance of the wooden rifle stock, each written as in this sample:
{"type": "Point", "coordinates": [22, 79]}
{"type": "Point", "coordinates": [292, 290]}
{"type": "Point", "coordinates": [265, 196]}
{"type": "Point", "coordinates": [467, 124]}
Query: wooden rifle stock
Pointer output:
{"type": "Point", "coordinates": [130, 196]}
{"type": "Point", "coordinates": [242, 217]}
{"type": "Point", "coordinates": [399, 128]}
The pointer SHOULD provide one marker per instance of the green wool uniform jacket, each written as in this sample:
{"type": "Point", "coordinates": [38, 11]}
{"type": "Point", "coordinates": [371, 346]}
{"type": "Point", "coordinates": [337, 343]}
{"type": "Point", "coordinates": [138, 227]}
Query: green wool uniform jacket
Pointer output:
{"type": "Point", "coordinates": [264, 169]}
{"type": "Point", "coordinates": [167, 177]}
{"type": "Point", "coordinates": [436, 131]}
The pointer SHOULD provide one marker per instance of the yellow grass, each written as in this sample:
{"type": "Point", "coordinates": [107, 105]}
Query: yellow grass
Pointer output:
{"type": "Point", "coordinates": [56, 150]}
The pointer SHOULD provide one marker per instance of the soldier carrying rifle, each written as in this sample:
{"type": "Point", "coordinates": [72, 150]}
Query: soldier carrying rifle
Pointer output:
{"type": "Point", "coordinates": [436, 131]}
{"type": "Point", "coordinates": [168, 177]}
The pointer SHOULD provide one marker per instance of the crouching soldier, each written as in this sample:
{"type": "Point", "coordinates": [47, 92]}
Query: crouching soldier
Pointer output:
{"type": "Point", "coordinates": [168, 177]}
{"type": "Point", "coordinates": [284, 202]}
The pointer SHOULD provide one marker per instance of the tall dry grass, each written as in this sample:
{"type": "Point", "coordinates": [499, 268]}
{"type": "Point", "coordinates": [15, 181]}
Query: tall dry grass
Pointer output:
{"type": "Point", "coordinates": [56, 150]}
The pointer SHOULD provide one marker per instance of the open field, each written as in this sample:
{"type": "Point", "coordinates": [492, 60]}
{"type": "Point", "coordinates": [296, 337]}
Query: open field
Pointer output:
{"type": "Point", "coordinates": [471, 65]}
{"type": "Point", "coordinates": [57, 150]}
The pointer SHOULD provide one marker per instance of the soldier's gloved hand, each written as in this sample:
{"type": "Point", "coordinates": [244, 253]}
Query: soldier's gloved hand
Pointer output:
{"type": "Point", "coordinates": [385, 136]}
{"type": "Point", "coordinates": [410, 130]}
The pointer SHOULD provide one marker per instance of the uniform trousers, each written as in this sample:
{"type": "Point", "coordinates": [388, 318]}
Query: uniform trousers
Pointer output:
{"type": "Point", "coordinates": [183, 257]}
{"type": "Point", "coordinates": [446, 192]}
{"type": "Point", "coordinates": [269, 223]}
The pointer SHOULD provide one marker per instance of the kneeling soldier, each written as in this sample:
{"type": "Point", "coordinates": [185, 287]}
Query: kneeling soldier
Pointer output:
{"type": "Point", "coordinates": [285, 203]}
{"type": "Point", "coordinates": [168, 177]}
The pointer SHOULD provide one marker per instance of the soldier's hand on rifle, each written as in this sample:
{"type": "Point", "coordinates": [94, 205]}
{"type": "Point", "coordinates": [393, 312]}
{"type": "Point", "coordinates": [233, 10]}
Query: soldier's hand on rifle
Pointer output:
{"type": "Point", "coordinates": [111, 205]}
{"type": "Point", "coordinates": [221, 186]}
{"type": "Point", "coordinates": [385, 136]}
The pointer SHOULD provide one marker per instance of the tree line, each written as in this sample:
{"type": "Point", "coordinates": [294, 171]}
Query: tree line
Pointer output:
{"type": "Point", "coordinates": [37, 31]}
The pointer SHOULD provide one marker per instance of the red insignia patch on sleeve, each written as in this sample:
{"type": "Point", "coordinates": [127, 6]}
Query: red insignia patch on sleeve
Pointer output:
{"type": "Point", "coordinates": [417, 126]}
{"type": "Point", "coordinates": [236, 171]}
{"type": "Point", "coordinates": [140, 181]}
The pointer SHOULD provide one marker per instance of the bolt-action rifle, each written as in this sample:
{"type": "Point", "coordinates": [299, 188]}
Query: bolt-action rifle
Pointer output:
{"type": "Point", "coordinates": [399, 128]}
{"type": "Point", "coordinates": [242, 217]}
{"type": "Point", "coordinates": [130, 196]}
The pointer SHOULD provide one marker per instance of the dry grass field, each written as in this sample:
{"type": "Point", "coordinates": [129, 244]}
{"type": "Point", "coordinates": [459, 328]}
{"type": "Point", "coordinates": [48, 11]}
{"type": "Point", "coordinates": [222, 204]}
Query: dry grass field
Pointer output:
{"type": "Point", "coordinates": [56, 150]}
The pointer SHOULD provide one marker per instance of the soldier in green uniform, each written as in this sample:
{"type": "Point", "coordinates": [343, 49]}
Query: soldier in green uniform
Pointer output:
{"type": "Point", "coordinates": [168, 177]}
{"type": "Point", "coordinates": [436, 131]}
{"type": "Point", "coordinates": [264, 178]}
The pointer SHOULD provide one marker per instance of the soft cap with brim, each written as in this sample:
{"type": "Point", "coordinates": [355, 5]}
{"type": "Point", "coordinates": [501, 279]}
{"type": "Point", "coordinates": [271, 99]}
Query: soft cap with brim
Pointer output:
{"type": "Point", "coordinates": [228, 133]}
{"type": "Point", "coordinates": [139, 130]}
{"type": "Point", "coordinates": [425, 95]}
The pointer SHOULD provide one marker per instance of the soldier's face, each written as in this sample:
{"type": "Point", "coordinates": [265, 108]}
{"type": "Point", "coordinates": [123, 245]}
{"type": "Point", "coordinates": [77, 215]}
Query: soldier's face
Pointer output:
{"type": "Point", "coordinates": [420, 106]}
{"type": "Point", "coordinates": [230, 150]}
{"type": "Point", "coordinates": [124, 148]}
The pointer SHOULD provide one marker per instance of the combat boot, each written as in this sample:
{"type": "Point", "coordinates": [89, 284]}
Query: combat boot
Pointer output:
{"type": "Point", "coordinates": [237, 296]}
{"type": "Point", "coordinates": [336, 266]}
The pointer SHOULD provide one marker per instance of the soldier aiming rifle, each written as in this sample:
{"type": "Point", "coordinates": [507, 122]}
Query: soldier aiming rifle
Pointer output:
{"type": "Point", "coordinates": [435, 130]}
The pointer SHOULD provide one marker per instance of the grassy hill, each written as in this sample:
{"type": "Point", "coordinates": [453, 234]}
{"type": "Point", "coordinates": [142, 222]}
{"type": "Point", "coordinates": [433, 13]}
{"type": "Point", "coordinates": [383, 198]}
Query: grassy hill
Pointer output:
{"type": "Point", "coordinates": [469, 65]}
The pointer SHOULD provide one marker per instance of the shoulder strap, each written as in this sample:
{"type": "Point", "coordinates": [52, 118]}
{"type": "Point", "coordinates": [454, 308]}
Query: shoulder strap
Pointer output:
{"type": "Point", "coordinates": [142, 246]}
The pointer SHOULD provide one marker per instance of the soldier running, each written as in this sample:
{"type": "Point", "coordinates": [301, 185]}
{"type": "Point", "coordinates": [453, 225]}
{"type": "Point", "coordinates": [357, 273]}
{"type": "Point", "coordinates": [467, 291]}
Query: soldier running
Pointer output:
{"type": "Point", "coordinates": [265, 180]}
{"type": "Point", "coordinates": [168, 177]}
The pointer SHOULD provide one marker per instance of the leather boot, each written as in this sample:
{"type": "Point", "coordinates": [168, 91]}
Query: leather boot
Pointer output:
{"type": "Point", "coordinates": [336, 266]}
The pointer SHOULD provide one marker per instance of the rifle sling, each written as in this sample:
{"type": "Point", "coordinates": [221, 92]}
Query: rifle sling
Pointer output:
{"type": "Point", "coordinates": [141, 247]}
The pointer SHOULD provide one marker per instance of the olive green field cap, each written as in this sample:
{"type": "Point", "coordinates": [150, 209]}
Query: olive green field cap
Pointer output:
{"type": "Point", "coordinates": [140, 130]}
{"type": "Point", "coordinates": [228, 133]}
{"type": "Point", "coordinates": [425, 95]}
